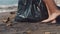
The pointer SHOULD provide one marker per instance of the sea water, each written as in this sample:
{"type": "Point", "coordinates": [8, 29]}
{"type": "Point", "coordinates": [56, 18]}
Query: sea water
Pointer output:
{"type": "Point", "coordinates": [7, 3]}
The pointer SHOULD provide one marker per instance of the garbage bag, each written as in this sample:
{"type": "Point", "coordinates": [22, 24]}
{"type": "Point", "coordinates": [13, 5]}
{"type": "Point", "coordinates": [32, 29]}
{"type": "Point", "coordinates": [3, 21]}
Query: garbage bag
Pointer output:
{"type": "Point", "coordinates": [31, 11]}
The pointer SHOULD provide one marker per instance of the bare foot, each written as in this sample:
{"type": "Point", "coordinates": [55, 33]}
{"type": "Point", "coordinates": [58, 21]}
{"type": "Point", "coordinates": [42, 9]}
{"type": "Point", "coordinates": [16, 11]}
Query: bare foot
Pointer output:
{"type": "Point", "coordinates": [54, 21]}
{"type": "Point", "coordinates": [51, 17]}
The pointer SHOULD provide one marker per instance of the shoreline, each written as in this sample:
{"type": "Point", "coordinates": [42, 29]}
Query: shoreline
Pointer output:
{"type": "Point", "coordinates": [4, 6]}
{"type": "Point", "coordinates": [8, 8]}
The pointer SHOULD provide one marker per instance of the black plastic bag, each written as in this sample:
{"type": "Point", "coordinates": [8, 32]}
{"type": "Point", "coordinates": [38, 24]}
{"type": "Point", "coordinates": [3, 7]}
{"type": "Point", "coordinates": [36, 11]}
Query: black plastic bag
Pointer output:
{"type": "Point", "coordinates": [31, 11]}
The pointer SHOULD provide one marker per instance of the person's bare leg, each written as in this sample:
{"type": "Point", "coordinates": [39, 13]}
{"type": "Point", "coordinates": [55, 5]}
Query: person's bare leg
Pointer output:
{"type": "Point", "coordinates": [51, 5]}
{"type": "Point", "coordinates": [53, 10]}
{"type": "Point", "coordinates": [49, 13]}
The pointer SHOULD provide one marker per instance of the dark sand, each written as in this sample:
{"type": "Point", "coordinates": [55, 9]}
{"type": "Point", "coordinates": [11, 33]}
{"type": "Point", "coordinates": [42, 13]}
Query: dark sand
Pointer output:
{"type": "Point", "coordinates": [22, 28]}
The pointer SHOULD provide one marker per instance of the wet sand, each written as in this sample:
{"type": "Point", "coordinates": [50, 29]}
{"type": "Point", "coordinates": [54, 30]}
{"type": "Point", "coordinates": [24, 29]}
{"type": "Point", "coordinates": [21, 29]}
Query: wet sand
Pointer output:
{"type": "Point", "coordinates": [22, 28]}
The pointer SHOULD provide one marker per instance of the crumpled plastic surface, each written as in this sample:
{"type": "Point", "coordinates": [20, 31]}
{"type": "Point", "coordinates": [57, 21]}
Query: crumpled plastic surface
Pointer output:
{"type": "Point", "coordinates": [31, 11]}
